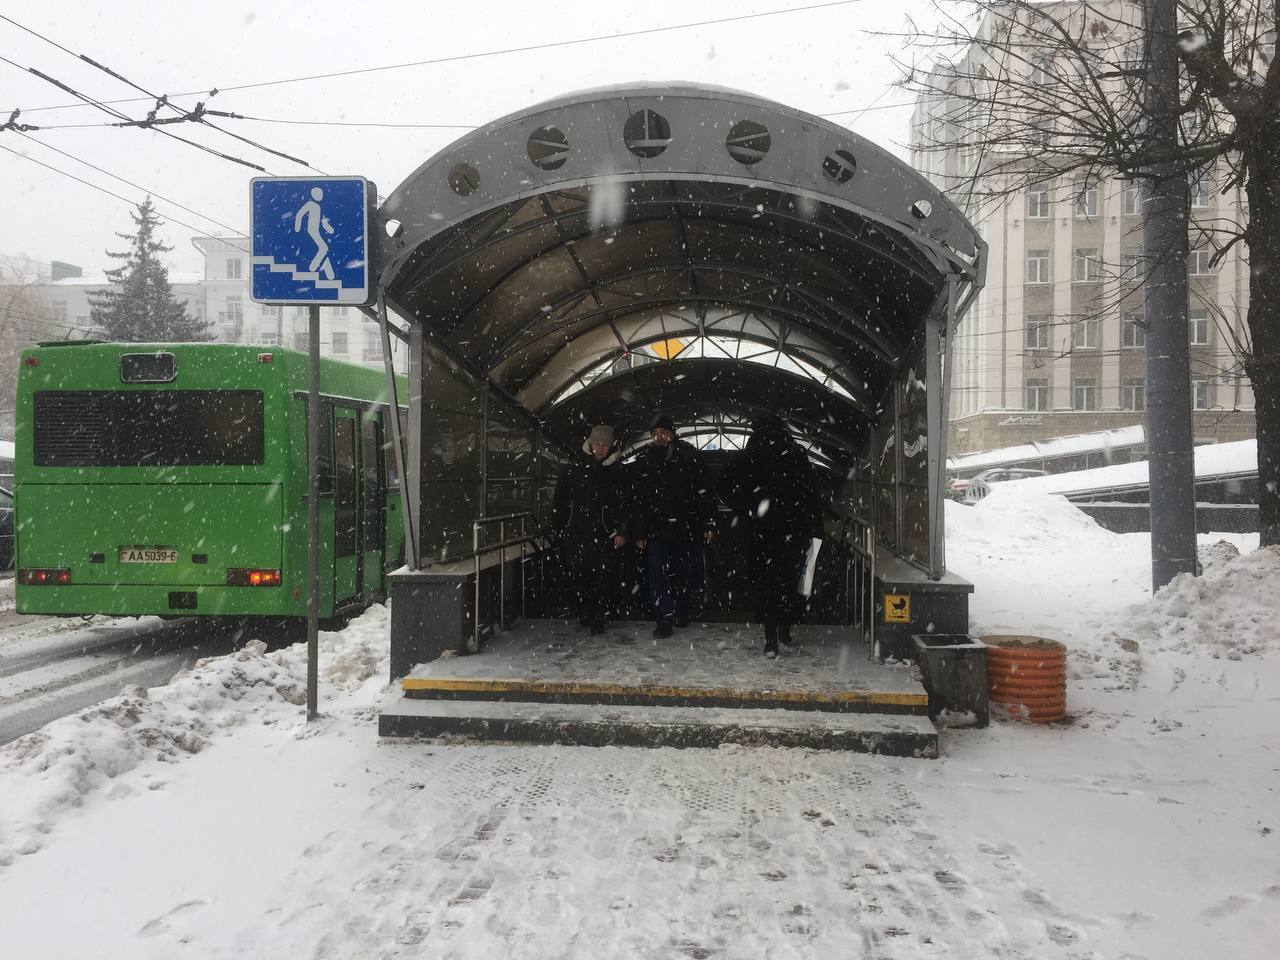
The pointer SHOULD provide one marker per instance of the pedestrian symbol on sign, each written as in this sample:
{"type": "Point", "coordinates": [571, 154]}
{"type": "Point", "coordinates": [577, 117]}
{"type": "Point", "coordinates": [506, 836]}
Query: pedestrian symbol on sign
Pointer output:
{"type": "Point", "coordinates": [315, 218]}
{"type": "Point", "coordinates": [311, 239]}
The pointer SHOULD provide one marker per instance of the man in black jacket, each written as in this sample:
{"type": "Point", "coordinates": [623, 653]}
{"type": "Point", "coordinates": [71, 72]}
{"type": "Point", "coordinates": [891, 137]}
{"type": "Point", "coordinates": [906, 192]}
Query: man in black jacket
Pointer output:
{"type": "Point", "coordinates": [675, 510]}
{"type": "Point", "coordinates": [590, 513]}
{"type": "Point", "coordinates": [771, 487]}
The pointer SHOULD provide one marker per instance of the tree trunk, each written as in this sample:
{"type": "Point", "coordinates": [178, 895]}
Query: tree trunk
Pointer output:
{"type": "Point", "coordinates": [1266, 393]}
{"type": "Point", "coordinates": [1262, 363]}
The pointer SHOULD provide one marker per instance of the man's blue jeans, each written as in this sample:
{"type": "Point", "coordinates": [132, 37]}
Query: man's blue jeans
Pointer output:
{"type": "Point", "coordinates": [671, 583]}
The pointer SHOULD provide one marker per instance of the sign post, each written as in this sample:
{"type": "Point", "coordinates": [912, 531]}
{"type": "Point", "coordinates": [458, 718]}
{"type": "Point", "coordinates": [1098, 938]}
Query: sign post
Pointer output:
{"type": "Point", "coordinates": [311, 246]}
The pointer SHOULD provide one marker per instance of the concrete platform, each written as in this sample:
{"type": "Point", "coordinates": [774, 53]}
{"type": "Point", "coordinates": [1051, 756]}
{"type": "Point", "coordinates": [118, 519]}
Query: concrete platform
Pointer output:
{"type": "Point", "coordinates": [703, 665]}
{"type": "Point", "coordinates": [578, 724]}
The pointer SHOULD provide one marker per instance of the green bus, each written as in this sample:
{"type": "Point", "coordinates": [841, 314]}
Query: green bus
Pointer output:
{"type": "Point", "coordinates": [171, 479]}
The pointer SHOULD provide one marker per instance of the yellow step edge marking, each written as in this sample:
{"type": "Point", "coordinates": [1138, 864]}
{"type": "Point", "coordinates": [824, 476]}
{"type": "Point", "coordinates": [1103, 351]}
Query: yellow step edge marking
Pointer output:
{"type": "Point", "coordinates": [445, 685]}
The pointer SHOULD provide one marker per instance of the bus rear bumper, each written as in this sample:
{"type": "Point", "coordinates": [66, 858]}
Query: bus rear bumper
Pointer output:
{"type": "Point", "coordinates": [147, 600]}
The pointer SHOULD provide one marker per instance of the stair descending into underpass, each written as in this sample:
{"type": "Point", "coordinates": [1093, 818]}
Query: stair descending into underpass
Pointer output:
{"type": "Point", "coordinates": [546, 681]}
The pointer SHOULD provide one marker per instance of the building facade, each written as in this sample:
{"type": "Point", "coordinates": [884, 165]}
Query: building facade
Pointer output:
{"type": "Point", "coordinates": [51, 301]}
{"type": "Point", "coordinates": [1055, 344]}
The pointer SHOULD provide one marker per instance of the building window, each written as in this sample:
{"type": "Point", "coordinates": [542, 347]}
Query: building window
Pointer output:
{"type": "Point", "coordinates": [339, 343]}
{"type": "Point", "coordinates": [272, 311]}
{"type": "Point", "coordinates": [1198, 324]}
{"type": "Point", "coordinates": [1131, 199]}
{"type": "Point", "coordinates": [1084, 394]}
{"type": "Point", "coordinates": [233, 268]}
{"type": "Point", "coordinates": [1037, 395]}
{"type": "Point", "coordinates": [1132, 264]}
{"type": "Point", "coordinates": [372, 345]}
{"type": "Point", "coordinates": [301, 311]}
{"type": "Point", "coordinates": [60, 311]}
{"type": "Point", "coordinates": [1087, 199]}
{"type": "Point", "coordinates": [1037, 332]}
{"type": "Point", "coordinates": [1200, 186]}
{"type": "Point", "coordinates": [1038, 203]}
{"type": "Point", "coordinates": [1041, 71]}
{"type": "Point", "coordinates": [1086, 268]}
{"type": "Point", "coordinates": [1037, 266]}
{"type": "Point", "coordinates": [301, 342]}
{"type": "Point", "coordinates": [267, 336]}
{"type": "Point", "coordinates": [1199, 262]}
{"type": "Point", "coordinates": [1133, 394]}
{"type": "Point", "coordinates": [1133, 332]}
{"type": "Point", "coordinates": [340, 310]}
{"type": "Point", "coordinates": [1199, 393]}
{"type": "Point", "coordinates": [1084, 334]}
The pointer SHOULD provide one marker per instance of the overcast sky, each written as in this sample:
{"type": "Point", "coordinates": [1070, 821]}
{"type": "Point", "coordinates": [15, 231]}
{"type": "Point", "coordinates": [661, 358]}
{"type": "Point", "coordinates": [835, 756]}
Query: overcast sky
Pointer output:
{"type": "Point", "coordinates": [820, 60]}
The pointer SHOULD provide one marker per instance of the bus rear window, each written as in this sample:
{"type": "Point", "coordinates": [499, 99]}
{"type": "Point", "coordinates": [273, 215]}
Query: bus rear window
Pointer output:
{"type": "Point", "coordinates": [148, 428]}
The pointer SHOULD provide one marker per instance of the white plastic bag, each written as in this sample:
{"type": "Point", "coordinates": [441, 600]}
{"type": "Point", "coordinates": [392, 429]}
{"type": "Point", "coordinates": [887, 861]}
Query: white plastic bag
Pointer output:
{"type": "Point", "coordinates": [810, 566]}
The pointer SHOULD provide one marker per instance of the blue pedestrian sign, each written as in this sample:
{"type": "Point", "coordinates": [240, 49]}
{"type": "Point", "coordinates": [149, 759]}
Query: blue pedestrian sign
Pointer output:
{"type": "Point", "coordinates": [311, 239]}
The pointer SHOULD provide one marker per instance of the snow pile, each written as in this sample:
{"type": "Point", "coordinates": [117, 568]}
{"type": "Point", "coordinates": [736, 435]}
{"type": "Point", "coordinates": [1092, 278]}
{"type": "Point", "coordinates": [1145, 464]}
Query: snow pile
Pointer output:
{"type": "Point", "coordinates": [1228, 612]}
{"type": "Point", "coordinates": [1016, 515]}
{"type": "Point", "coordinates": [54, 770]}
{"type": "Point", "coordinates": [1216, 554]}
{"type": "Point", "coordinates": [1035, 561]}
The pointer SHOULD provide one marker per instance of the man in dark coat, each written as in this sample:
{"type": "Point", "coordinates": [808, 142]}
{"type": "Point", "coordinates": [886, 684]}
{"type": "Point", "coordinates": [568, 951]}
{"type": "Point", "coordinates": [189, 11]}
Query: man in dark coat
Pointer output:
{"type": "Point", "coordinates": [675, 514]}
{"type": "Point", "coordinates": [771, 487]}
{"type": "Point", "coordinates": [590, 513]}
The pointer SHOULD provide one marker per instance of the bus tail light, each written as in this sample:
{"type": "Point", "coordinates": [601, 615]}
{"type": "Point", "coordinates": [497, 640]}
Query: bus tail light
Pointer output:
{"type": "Point", "coordinates": [43, 576]}
{"type": "Point", "coordinates": [252, 577]}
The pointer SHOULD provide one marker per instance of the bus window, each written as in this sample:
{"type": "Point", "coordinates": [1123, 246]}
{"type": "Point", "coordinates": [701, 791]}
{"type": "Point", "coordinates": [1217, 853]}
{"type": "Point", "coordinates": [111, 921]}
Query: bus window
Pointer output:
{"type": "Point", "coordinates": [148, 428]}
{"type": "Point", "coordinates": [345, 486]}
{"type": "Point", "coordinates": [373, 492]}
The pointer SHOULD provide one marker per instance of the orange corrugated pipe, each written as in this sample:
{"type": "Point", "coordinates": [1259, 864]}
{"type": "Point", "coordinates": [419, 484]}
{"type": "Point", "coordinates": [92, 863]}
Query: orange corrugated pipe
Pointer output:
{"type": "Point", "coordinates": [1027, 677]}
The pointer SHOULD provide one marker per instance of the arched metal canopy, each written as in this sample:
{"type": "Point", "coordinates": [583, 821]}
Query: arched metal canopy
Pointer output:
{"type": "Point", "coordinates": [689, 390]}
{"type": "Point", "coordinates": [581, 228]}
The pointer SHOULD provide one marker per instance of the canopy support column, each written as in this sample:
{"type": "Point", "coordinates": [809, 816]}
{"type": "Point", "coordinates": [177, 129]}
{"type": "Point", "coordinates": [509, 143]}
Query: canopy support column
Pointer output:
{"type": "Point", "coordinates": [407, 509]}
{"type": "Point", "coordinates": [939, 331]}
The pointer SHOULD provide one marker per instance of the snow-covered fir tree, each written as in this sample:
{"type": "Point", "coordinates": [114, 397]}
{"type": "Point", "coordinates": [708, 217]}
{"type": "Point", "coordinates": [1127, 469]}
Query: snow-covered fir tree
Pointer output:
{"type": "Point", "coordinates": [140, 307]}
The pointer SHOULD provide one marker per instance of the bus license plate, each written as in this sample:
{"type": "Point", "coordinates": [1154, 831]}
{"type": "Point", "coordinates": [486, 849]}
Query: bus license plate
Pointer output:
{"type": "Point", "coordinates": [148, 555]}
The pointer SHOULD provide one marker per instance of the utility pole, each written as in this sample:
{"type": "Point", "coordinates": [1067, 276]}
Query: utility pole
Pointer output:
{"type": "Point", "coordinates": [1164, 234]}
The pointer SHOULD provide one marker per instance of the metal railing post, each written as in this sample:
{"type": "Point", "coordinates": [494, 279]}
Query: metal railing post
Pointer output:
{"type": "Point", "coordinates": [502, 576]}
{"type": "Point", "coordinates": [475, 614]}
{"type": "Point", "coordinates": [524, 532]}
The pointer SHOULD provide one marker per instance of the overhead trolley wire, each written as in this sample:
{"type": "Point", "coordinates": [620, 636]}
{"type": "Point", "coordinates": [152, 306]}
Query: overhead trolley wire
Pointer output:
{"type": "Point", "coordinates": [549, 45]}
{"type": "Point", "coordinates": [132, 203]}
{"type": "Point", "coordinates": [136, 186]}
{"type": "Point", "coordinates": [112, 112]}
{"type": "Point", "coordinates": [160, 101]}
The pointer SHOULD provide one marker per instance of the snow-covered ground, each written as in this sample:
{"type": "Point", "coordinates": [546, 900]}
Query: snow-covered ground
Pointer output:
{"type": "Point", "coordinates": [205, 819]}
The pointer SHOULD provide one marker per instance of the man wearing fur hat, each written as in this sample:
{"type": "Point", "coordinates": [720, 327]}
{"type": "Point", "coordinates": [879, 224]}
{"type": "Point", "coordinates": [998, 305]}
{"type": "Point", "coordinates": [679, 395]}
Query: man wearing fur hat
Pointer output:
{"type": "Point", "coordinates": [675, 513]}
{"type": "Point", "coordinates": [590, 513]}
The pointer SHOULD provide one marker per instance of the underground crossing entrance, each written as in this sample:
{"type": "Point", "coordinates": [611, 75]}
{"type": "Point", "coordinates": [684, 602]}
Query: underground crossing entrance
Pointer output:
{"type": "Point", "coordinates": [696, 252]}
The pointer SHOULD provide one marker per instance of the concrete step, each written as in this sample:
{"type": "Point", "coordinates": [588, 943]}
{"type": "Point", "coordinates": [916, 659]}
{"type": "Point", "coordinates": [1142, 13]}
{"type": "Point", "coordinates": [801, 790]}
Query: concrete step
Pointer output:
{"type": "Point", "coordinates": [640, 694]}
{"type": "Point", "coordinates": [597, 725]}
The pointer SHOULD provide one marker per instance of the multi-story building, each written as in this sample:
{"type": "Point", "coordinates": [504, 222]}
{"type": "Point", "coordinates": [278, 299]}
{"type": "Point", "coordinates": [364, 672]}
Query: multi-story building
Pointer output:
{"type": "Point", "coordinates": [1055, 343]}
{"type": "Point", "coordinates": [50, 301]}
{"type": "Point", "coordinates": [345, 332]}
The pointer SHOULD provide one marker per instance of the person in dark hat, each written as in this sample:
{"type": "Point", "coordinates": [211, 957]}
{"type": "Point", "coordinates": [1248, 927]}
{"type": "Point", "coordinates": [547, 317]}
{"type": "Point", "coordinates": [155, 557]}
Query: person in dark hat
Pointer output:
{"type": "Point", "coordinates": [591, 514]}
{"type": "Point", "coordinates": [674, 515]}
{"type": "Point", "coordinates": [771, 488]}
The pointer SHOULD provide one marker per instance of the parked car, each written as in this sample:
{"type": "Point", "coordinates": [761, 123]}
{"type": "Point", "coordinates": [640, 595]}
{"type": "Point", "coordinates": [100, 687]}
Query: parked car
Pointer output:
{"type": "Point", "coordinates": [979, 486]}
{"type": "Point", "coordinates": [6, 529]}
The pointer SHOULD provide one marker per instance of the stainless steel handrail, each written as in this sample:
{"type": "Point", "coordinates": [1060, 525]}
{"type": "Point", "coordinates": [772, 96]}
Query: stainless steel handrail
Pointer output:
{"type": "Point", "coordinates": [476, 526]}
